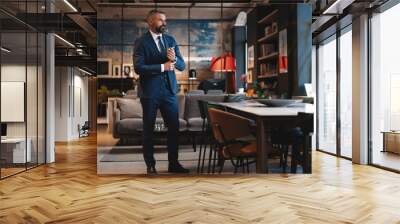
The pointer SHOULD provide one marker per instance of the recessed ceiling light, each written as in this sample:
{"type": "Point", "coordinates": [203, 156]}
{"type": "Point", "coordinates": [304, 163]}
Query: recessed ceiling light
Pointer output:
{"type": "Point", "coordinates": [86, 72]}
{"type": "Point", "coordinates": [65, 41]}
{"type": "Point", "coordinates": [5, 50]}
{"type": "Point", "coordinates": [70, 5]}
{"type": "Point", "coordinates": [338, 6]}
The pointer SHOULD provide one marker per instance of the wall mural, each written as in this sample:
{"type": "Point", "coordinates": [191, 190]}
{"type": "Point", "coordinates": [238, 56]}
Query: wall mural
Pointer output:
{"type": "Point", "coordinates": [116, 40]}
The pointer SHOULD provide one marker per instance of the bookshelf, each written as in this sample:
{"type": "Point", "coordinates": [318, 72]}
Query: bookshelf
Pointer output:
{"type": "Point", "coordinates": [268, 46]}
{"type": "Point", "coordinates": [282, 40]}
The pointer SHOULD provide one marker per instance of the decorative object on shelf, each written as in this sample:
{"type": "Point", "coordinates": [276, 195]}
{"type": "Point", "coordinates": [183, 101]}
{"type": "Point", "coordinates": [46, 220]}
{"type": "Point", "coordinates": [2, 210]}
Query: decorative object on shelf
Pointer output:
{"type": "Point", "coordinates": [250, 57]}
{"type": "Point", "coordinates": [267, 30]}
{"type": "Point", "coordinates": [116, 70]}
{"type": "Point", "coordinates": [192, 74]}
{"type": "Point", "coordinates": [127, 70]}
{"type": "Point", "coordinates": [260, 89]}
{"type": "Point", "coordinates": [226, 63]}
{"type": "Point", "coordinates": [283, 55]}
{"type": "Point", "coordinates": [192, 78]}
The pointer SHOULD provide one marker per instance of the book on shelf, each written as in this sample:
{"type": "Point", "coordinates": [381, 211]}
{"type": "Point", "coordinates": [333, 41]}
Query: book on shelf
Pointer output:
{"type": "Point", "coordinates": [266, 49]}
{"type": "Point", "coordinates": [267, 69]}
{"type": "Point", "coordinates": [271, 29]}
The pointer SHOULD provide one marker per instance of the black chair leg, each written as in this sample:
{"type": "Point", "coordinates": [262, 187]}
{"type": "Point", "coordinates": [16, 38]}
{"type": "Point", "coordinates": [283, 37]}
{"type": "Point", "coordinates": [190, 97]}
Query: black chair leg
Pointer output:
{"type": "Point", "coordinates": [281, 157]}
{"type": "Point", "coordinates": [214, 160]}
{"type": "Point", "coordinates": [236, 166]}
{"type": "Point", "coordinates": [210, 158]}
{"type": "Point", "coordinates": [222, 166]}
{"type": "Point", "coordinates": [203, 145]}
{"type": "Point", "coordinates": [248, 167]}
{"type": "Point", "coordinates": [285, 156]}
{"type": "Point", "coordinates": [199, 161]}
{"type": "Point", "coordinates": [204, 157]}
{"type": "Point", "coordinates": [194, 141]}
{"type": "Point", "coordinates": [242, 165]}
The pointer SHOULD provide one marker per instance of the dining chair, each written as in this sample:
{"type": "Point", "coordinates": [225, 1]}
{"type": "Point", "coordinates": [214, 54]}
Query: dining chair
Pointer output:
{"type": "Point", "coordinates": [227, 128]}
{"type": "Point", "coordinates": [207, 140]}
{"type": "Point", "coordinates": [203, 135]}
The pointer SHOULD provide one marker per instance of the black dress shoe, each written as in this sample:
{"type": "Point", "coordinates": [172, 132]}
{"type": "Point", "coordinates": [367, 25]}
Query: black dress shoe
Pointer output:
{"type": "Point", "coordinates": [176, 168]}
{"type": "Point", "coordinates": [151, 170]}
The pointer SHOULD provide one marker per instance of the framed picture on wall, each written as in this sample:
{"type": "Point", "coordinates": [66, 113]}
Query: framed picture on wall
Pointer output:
{"type": "Point", "coordinates": [283, 55]}
{"type": "Point", "coordinates": [250, 57]}
{"type": "Point", "coordinates": [116, 70]}
{"type": "Point", "coordinates": [249, 77]}
{"type": "Point", "coordinates": [104, 66]}
{"type": "Point", "coordinates": [127, 70]}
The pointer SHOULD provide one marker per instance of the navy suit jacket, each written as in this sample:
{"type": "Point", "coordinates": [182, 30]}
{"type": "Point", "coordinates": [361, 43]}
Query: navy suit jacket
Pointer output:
{"type": "Point", "coordinates": [147, 62]}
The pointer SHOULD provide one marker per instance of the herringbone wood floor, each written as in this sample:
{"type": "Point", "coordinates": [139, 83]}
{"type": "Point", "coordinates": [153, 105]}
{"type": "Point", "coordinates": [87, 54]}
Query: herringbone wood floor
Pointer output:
{"type": "Point", "coordinates": [69, 191]}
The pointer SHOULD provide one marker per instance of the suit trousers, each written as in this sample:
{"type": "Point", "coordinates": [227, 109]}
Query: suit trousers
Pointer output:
{"type": "Point", "coordinates": [168, 105]}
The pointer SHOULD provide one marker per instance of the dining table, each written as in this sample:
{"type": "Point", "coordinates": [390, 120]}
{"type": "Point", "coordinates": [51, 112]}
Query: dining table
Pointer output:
{"type": "Point", "coordinates": [269, 119]}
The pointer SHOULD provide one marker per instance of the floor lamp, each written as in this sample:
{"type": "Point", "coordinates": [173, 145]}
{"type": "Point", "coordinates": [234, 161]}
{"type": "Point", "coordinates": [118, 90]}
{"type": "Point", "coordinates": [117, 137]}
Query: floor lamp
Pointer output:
{"type": "Point", "coordinates": [226, 64]}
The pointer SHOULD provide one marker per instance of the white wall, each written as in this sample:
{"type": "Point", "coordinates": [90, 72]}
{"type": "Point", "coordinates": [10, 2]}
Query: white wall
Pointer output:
{"type": "Point", "coordinates": [71, 102]}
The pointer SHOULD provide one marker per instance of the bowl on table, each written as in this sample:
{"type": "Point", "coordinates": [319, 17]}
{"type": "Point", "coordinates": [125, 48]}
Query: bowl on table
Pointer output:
{"type": "Point", "coordinates": [278, 102]}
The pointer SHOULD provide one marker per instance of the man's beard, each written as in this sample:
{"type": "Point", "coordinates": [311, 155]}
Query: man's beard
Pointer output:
{"type": "Point", "coordinates": [161, 29]}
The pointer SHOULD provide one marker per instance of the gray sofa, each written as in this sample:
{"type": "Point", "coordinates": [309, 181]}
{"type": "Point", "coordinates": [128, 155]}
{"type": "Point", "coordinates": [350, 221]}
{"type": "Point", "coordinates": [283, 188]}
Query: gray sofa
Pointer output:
{"type": "Point", "coordinates": [127, 114]}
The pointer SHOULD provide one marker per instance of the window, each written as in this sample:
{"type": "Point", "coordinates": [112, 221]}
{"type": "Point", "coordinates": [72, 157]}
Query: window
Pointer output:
{"type": "Point", "coordinates": [346, 93]}
{"type": "Point", "coordinates": [327, 96]}
{"type": "Point", "coordinates": [385, 86]}
{"type": "Point", "coordinates": [335, 74]}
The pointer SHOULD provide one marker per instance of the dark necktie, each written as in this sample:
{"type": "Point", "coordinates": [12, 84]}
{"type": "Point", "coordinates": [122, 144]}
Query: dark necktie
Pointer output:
{"type": "Point", "coordinates": [161, 45]}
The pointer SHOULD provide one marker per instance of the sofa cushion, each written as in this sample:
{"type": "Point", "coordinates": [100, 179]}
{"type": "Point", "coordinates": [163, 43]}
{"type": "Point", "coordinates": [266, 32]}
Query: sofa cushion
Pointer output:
{"type": "Point", "coordinates": [182, 123]}
{"type": "Point", "coordinates": [192, 106]}
{"type": "Point", "coordinates": [130, 108]}
{"type": "Point", "coordinates": [129, 125]}
{"type": "Point", "coordinates": [195, 124]}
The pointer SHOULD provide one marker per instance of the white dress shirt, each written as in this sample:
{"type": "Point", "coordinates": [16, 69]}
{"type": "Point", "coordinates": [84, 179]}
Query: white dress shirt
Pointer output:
{"type": "Point", "coordinates": [155, 38]}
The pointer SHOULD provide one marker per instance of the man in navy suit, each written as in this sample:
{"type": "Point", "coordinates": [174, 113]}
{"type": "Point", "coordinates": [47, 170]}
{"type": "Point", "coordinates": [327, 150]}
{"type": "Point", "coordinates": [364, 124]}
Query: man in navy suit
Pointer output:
{"type": "Point", "coordinates": [156, 55]}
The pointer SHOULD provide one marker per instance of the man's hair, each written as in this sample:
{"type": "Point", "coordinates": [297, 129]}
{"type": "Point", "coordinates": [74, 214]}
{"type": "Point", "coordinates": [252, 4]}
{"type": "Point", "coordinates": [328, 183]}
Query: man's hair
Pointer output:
{"type": "Point", "coordinates": [152, 12]}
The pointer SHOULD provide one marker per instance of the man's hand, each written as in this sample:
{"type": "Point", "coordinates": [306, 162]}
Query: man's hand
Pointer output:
{"type": "Point", "coordinates": [171, 54]}
{"type": "Point", "coordinates": [169, 66]}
